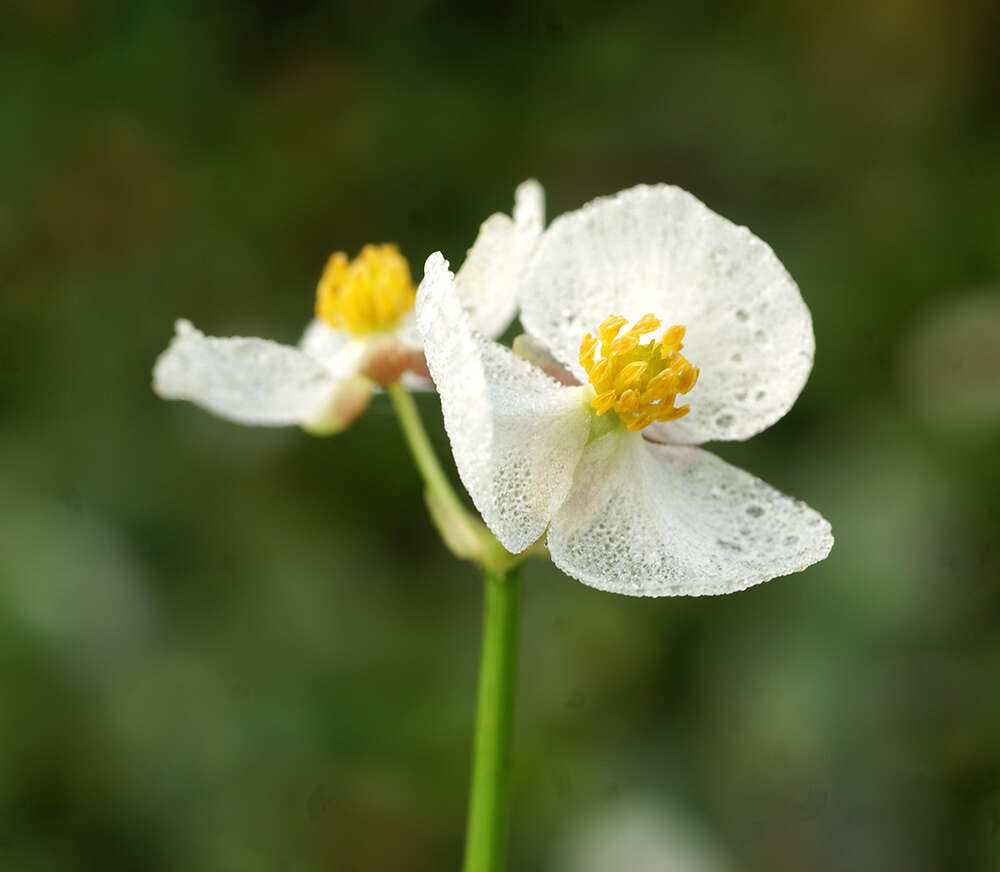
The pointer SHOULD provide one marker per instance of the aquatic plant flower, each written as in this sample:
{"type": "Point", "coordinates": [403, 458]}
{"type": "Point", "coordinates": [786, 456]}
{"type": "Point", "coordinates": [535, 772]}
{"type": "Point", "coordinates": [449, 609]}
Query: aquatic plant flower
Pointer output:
{"type": "Point", "coordinates": [362, 337]}
{"type": "Point", "coordinates": [603, 461]}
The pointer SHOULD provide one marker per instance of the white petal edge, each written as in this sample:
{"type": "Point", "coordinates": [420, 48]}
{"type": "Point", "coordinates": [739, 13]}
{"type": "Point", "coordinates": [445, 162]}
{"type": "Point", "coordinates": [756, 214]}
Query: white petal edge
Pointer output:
{"type": "Point", "coordinates": [488, 282]}
{"type": "Point", "coordinates": [246, 380]}
{"type": "Point", "coordinates": [659, 249]}
{"type": "Point", "coordinates": [671, 520]}
{"type": "Point", "coordinates": [516, 434]}
{"type": "Point", "coordinates": [529, 204]}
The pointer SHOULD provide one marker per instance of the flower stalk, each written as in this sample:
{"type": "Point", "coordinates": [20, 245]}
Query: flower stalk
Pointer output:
{"type": "Point", "coordinates": [489, 796]}
{"type": "Point", "coordinates": [468, 538]}
{"type": "Point", "coordinates": [463, 534]}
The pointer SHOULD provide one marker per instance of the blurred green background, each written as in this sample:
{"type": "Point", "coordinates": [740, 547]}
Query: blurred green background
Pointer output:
{"type": "Point", "coordinates": [233, 649]}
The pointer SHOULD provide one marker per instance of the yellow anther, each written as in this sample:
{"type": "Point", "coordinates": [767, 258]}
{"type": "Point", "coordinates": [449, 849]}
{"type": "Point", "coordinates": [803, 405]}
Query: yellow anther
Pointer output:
{"type": "Point", "coordinates": [630, 374]}
{"type": "Point", "coordinates": [687, 379]}
{"type": "Point", "coordinates": [599, 375]}
{"type": "Point", "coordinates": [673, 414]}
{"type": "Point", "coordinates": [610, 326]}
{"type": "Point", "coordinates": [662, 382]}
{"type": "Point", "coordinates": [640, 422]}
{"type": "Point", "coordinates": [622, 345]}
{"type": "Point", "coordinates": [603, 402]}
{"type": "Point", "coordinates": [672, 339]}
{"type": "Point", "coordinates": [368, 294]}
{"type": "Point", "coordinates": [588, 346]}
{"type": "Point", "coordinates": [628, 401]}
{"type": "Point", "coordinates": [638, 381]}
{"type": "Point", "coordinates": [647, 324]}
{"type": "Point", "coordinates": [609, 330]}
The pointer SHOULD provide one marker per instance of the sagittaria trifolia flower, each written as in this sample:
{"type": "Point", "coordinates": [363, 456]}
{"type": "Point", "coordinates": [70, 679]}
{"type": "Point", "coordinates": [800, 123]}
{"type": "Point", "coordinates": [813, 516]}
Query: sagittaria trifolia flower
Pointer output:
{"type": "Point", "coordinates": [604, 461]}
{"type": "Point", "coordinates": [362, 336]}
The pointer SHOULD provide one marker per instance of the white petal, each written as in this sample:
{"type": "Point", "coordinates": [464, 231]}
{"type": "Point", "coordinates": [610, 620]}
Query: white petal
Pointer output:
{"type": "Point", "coordinates": [658, 249]}
{"type": "Point", "coordinates": [529, 204]}
{"type": "Point", "coordinates": [488, 281]}
{"type": "Point", "coordinates": [337, 350]}
{"type": "Point", "coordinates": [515, 433]}
{"type": "Point", "coordinates": [346, 355]}
{"type": "Point", "coordinates": [668, 520]}
{"type": "Point", "coordinates": [250, 381]}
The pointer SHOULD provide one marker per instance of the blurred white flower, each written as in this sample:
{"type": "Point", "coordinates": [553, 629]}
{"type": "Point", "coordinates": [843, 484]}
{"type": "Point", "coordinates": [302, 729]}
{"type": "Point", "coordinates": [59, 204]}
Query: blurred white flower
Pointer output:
{"type": "Point", "coordinates": [608, 466]}
{"type": "Point", "coordinates": [640, 834]}
{"type": "Point", "coordinates": [363, 335]}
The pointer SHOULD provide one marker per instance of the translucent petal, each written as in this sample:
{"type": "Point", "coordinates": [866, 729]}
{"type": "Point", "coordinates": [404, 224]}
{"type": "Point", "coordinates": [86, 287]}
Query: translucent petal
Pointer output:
{"type": "Point", "coordinates": [658, 249]}
{"type": "Point", "coordinates": [669, 520]}
{"type": "Point", "coordinates": [345, 355]}
{"type": "Point", "coordinates": [250, 381]}
{"type": "Point", "coordinates": [515, 433]}
{"type": "Point", "coordinates": [488, 281]}
{"type": "Point", "coordinates": [537, 353]}
{"type": "Point", "coordinates": [416, 384]}
{"type": "Point", "coordinates": [407, 331]}
{"type": "Point", "coordinates": [337, 350]}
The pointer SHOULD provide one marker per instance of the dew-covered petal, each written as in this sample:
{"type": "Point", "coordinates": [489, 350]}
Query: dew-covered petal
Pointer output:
{"type": "Point", "coordinates": [250, 381]}
{"type": "Point", "coordinates": [515, 433]}
{"type": "Point", "coordinates": [658, 249]}
{"type": "Point", "coordinates": [488, 281]}
{"type": "Point", "coordinates": [669, 520]}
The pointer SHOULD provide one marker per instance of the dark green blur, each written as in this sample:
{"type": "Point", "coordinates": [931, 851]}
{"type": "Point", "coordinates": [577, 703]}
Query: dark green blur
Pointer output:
{"type": "Point", "coordinates": [224, 648]}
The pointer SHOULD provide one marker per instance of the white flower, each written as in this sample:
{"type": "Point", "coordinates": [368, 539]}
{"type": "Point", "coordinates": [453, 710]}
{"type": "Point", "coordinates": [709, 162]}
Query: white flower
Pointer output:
{"type": "Point", "coordinates": [608, 466]}
{"type": "Point", "coordinates": [363, 334]}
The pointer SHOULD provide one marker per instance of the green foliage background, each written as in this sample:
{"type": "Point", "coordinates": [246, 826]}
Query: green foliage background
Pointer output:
{"type": "Point", "coordinates": [234, 649]}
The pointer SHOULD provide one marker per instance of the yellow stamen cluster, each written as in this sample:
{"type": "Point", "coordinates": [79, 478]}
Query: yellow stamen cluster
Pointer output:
{"type": "Point", "coordinates": [368, 294]}
{"type": "Point", "coordinates": [638, 381]}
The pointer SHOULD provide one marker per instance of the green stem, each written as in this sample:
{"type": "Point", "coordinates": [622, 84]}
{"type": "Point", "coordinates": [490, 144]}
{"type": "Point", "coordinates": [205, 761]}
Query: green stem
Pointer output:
{"type": "Point", "coordinates": [465, 536]}
{"type": "Point", "coordinates": [423, 452]}
{"type": "Point", "coordinates": [489, 797]}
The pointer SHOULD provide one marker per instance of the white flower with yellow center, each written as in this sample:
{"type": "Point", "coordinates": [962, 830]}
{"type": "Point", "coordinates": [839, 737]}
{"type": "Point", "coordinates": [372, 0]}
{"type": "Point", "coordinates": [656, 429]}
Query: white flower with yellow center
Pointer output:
{"type": "Point", "coordinates": [604, 459]}
{"type": "Point", "coordinates": [363, 335]}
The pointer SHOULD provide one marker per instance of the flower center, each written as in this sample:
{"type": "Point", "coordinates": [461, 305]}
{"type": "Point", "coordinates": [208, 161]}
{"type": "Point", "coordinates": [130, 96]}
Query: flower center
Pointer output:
{"type": "Point", "coordinates": [368, 294]}
{"type": "Point", "coordinates": [638, 381]}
